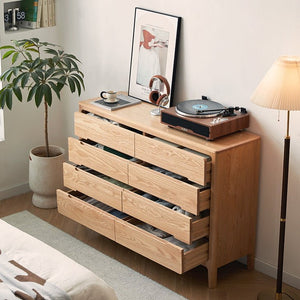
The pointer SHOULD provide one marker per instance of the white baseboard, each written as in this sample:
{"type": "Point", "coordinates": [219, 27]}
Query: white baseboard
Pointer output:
{"type": "Point", "coordinates": [271, 271]}
{"type": "Point", "coordinates": [14, 191]}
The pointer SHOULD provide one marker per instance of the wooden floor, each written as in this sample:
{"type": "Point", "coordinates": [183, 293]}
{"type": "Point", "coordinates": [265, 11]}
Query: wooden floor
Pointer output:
{"type": "Point", "coordinates": [235, 282]}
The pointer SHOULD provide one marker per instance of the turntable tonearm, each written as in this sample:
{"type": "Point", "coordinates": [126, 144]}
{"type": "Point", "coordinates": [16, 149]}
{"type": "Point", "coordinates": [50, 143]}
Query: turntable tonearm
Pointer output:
{"type": "Point", "coordinates": [205, 118]}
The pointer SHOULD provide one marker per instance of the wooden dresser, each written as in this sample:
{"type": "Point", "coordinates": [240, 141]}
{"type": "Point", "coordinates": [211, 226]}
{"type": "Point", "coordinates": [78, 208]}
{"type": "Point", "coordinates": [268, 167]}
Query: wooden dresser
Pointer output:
{"type": "Point", "coordinates": [125, 163]}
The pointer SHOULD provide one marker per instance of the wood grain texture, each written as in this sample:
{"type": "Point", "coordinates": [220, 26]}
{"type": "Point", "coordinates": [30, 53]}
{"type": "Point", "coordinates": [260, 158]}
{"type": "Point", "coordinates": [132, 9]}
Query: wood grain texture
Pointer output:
{"type": "Point", "coordinates": [195, 257]}
{"type": "Point", "coordinates": [103, 132]}
{"type": "Point", "coordinates": [102, 161]}
{"type": "Point", "coordinates": [180, 226]}
{"type": "Point", "coordinates": [200, 228]}
{"type": "Point", "coordinates": [93, 186]}
{"type": "Point", "coordinates": [150, 246]}
{"type": "Point", "coordinates": [86, 214]}
{"type": "Point", "coordinates": [195, 167]}
{"type": "Point", "coordinates": [165, 187]}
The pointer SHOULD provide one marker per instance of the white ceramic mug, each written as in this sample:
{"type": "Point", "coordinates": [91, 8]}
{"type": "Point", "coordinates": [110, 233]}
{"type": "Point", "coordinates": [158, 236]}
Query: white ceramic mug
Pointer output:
{"type": "Point", "coordinates": [109, 96]}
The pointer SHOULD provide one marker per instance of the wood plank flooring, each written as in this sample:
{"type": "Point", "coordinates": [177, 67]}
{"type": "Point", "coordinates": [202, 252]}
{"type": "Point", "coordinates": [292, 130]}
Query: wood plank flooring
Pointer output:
{"type": "Point", "coordinates": [235, 282]}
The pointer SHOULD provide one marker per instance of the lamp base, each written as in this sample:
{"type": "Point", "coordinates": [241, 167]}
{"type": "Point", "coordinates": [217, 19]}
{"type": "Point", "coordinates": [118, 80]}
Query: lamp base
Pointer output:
{"type": "Point", "coordinates": [271, 295]}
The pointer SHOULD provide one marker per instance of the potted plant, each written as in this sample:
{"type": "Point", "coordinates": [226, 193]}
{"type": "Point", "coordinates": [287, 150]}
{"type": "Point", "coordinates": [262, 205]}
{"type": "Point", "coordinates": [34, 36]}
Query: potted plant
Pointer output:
{"type": "Point", "coordinates": [40, 70]}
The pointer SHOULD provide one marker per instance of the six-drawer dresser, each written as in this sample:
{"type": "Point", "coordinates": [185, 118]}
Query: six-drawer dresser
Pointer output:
{"type": "Point", "coordinates": [175, 198]}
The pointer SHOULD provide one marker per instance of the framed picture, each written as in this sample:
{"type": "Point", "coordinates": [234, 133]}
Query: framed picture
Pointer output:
{"type": "Point", "coordinates": [154, 49]}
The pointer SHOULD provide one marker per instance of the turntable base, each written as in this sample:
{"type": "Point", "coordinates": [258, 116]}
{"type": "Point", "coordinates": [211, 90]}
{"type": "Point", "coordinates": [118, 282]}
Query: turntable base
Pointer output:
{"type": "Point", "coordinates": [208, 128]}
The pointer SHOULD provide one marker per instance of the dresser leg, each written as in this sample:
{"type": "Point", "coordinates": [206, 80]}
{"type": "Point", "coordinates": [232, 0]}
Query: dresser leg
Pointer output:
{"type": "Point", "coordinates": [212, 277]}
{"type": "Point", "coordinates": [250, 261]}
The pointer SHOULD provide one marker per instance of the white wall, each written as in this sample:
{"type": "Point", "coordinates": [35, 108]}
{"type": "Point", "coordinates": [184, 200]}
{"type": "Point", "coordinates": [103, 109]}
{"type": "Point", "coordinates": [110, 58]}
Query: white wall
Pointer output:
{"type": "Point", "coordinates": [226, 47]}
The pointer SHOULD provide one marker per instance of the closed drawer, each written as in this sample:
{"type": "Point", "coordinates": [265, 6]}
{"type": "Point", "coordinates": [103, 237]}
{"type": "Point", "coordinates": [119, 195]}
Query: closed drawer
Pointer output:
{"type": "Point", "coordinates": [160, 250]}
{"type": "Point", "coordinates": [103, 132]}
{"type": "Point", "coordinates": [195, 167]}
{"type": "Point", "coordinates": [93, 186]}
{"type": "Point", "coordinates": [102, 161]}
{"type": "Point", "coordinates": [179, 225]}
{"type": "Point", "coordinates": [85, 214]}
{"type": "Point", "coordinates": [188, 197]}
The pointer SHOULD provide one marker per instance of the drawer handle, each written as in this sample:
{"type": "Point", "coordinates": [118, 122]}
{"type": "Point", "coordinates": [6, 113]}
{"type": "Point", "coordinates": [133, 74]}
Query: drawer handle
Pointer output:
{"type": "Point", "coordinates": [76, 169]}
{"type": "Point", "coordinates": [69, 196]}
{"type": "Point", "coordinates": [82, 143]}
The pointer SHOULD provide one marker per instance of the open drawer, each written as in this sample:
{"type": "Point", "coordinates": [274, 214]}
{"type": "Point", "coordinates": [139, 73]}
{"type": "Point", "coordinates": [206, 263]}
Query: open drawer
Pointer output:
{"type": "Point", "coordinates": [195, 166]}
{"type": "Point", "coordinates": [82, 153]}
{"type": "Point", "coordinates": [160, 250]}
{"type": "Point", "coordinates": [71, 206]}
{"type": "Point", "coordinates": [102, 131]}
{"type": "Point", "coordinates": [93, 185]}
{"type": "Point", "coordinates": [189, 197]}
{"type": "Point", "coordinates": [182, 227]}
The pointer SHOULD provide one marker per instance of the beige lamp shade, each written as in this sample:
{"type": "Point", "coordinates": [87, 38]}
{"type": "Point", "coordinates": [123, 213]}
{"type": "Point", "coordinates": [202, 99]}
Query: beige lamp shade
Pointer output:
{"type": "Point", "coordinates": [280, 88]}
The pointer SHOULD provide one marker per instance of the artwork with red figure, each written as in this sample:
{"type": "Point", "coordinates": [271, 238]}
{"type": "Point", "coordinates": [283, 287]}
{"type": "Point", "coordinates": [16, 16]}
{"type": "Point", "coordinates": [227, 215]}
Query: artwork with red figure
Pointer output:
{"type": "Point", "coordinates": [152, 54]}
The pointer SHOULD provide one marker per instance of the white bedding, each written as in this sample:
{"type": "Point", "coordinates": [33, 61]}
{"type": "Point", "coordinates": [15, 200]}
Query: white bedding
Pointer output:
{"type": "Point", "coordinates": [58, 270]}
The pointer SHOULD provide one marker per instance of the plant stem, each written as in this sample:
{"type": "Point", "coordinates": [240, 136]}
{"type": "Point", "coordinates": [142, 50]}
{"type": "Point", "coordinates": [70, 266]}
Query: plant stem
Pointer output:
{"type": "Point", "coordinates": [46, 128]}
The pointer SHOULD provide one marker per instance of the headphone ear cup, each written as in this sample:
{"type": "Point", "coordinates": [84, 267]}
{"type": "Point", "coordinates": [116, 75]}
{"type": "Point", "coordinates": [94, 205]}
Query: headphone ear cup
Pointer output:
{"type": "Point", "coordinates": [154, 96]}
{"type": "Point", "coordinates": [161, 98]}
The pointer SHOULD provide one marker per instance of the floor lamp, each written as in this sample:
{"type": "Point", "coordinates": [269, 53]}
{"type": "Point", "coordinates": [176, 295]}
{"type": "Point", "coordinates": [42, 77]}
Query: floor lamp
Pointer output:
{"type": "Point", "coordinates": [280, 89]}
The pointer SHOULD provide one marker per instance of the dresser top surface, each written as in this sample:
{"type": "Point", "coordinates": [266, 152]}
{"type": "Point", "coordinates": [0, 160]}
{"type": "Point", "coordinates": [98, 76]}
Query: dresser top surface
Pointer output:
{"type": "Point", "coordinates": [139, 116]}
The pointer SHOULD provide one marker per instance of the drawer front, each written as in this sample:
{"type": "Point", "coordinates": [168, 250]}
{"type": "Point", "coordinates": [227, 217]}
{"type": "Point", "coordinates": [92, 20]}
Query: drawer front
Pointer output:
{"type": "Point", "coordinates": [180, 226]}
{"type": "Point", "coordinates": [195, 167]}
{"type": "Point", "coordinates": [105, 133]}
{"type": "Point", "coordinates": [148, 245]}
{"type": "Point", "coordinates": [85, 214]}
{"type": "Point", "coordinates": [159, 250]}
{"type": "Point", "coordinates": [92, 186]}
{"type": "Point", "coordinates": [102, 161]}
{"type": "Point", "coordinates": [187, 196]}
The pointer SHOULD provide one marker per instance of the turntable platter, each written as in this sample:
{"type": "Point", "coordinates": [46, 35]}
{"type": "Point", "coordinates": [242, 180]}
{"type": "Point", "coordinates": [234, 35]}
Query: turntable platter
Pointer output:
{"type": "Point", "coordinates": [199, 108]}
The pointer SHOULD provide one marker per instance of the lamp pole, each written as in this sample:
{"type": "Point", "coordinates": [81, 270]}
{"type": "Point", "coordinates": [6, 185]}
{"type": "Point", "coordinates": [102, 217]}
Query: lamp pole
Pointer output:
{"type": "Point", "coordinates": [285, 178]}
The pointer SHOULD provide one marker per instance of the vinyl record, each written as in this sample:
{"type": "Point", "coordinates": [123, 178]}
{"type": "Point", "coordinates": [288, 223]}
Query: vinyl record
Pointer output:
{"type": "Point", "coordinates": [199, 108]}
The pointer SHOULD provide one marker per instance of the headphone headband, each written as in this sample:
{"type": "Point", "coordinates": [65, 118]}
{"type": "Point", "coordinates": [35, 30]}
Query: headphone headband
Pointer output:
{"type": "Point", "coordinates": [163, 80]}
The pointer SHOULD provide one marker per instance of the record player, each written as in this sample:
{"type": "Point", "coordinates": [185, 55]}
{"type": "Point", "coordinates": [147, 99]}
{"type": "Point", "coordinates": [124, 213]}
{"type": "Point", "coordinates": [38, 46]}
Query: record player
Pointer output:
{"type": "Point", "coordinates": [205, 118]}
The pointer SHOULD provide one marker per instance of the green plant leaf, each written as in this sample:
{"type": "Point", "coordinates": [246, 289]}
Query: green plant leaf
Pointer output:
{"type": "Point", "coordinates": [38, 97]}
{"type": "Point", "coordinates": [67, 62]}
{"type": "Point", "coordinates": [6, 74]}
{"type": "Point", "coordinates": [8, 98]}
{"type": "Point", "coordinates": [40, 73]}
{"type": "Point", "coordinates": [32, 92]}
{"type": "Point", "coordinates": [7, 47]}
{"type": "Point", "coordinates": [35, 40]}
{"type": "Point", "coordinates": [13, 72]}
{"type": "Point", "coordinates": [35, 77]}
{"type": "Point", "coordinates": [36, 63]}
{"type": "Point", "coordinates": [15, 57]}
{"type": "Point", "coordinates": [8, 53]}
{"type": "Point", "coordinates": [55, 89]}
{"type": "Point", "coordinates": [49, 73]}
{"type": "Point", "coordinates": [47, 93]}
{"type": "Point", "coordinates": [61, 80]}
{"type": "Point", "coordinates": [2, 97]}
{"type": "Point", "coordinates": [51, 51]}
{"type": "Point", "coordinates": [77, 83]}
{"type": "Point", "coordinates": [25, 79]}
{"type": "Point", "coordinates": [71, 84]}
{"type": "Point", "coordinates": [28, 54]}
{"type": "Point", "coordinates": [18, 93]}
{"type": "Point", "coordinates": [32, 50]}
{"type": "Point", "coordinates": [72, 56]}
{"type": "Point", "coordinates": [16, 80]}
{"type": "Point", "coordinates": [80, 79]}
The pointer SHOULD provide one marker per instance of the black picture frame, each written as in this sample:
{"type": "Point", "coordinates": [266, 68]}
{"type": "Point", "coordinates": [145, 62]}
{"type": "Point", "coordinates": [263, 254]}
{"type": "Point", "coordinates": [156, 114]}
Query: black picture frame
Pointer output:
{"type": "Point", "coordinates": [154, 51]}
